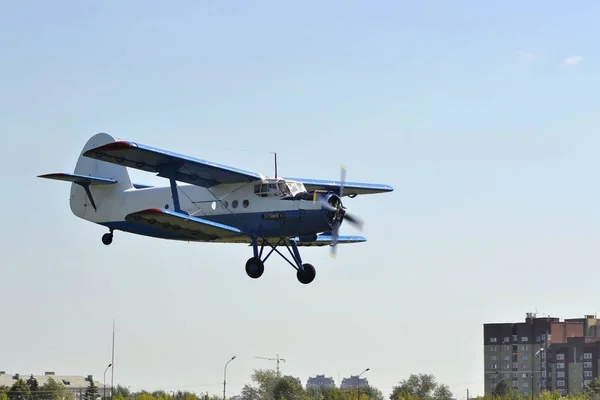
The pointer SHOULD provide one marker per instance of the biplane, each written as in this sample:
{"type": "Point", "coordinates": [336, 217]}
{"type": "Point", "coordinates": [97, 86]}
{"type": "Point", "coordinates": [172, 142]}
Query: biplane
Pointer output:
{"type": "Point", "coordinates": [209, 202]}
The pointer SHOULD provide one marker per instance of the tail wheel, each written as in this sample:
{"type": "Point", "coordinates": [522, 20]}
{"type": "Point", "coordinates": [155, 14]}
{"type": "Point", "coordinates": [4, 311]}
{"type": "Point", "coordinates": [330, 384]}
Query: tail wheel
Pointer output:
{"type": "Point", "coordinates": [107, 238]}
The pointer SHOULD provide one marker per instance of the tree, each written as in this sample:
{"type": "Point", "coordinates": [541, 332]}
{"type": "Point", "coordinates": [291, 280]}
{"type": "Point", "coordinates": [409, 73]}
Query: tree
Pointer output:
{"type": "Point", "coordinates": [250, 393]}
{"type": "Point", "coordinates": [266, 380]}
{"type": "Point", "coordinates": [442, 392]}
{"type": "Point", "coordinates": [503, 389]}
{"type": "Point", "coordinates": [288, 388]}
{"type": "Point", "coordinates": [53, 390]}
{"type": "Point", "coordinates": [32, 383]}
{"type": "Point", "coordinates": [593, 388]}
{"type": "Point", "coordinates": [372, 393]}
{"type": "Point", "coordinates": [91, 392]}
{"type": "Point", "coordinates": [19, 391]}
{"type": "Point", "coordinates": [420, 386]}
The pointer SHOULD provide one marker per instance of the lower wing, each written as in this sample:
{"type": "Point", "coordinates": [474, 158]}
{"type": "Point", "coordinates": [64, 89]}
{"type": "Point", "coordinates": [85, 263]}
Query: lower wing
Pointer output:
{"type": "Point", "coordinates": [326, 239]}
{"type": "Point", "coordinates": [182, 224]}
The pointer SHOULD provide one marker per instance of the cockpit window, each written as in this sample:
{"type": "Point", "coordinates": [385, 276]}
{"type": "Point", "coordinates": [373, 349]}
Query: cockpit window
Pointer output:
{"type": "Point", "coordinates": [278, 189]}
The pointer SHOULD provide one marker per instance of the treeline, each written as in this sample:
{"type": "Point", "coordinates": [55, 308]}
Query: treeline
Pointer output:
{"type": "Point", "coordinates": [51, 390]}
{"type": "Point", "coordinates": [267, 385]}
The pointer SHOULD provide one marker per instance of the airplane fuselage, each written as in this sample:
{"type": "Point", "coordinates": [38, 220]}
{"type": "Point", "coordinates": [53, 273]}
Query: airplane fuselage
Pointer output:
{"type": "Point", "coordinates": [236, 205]}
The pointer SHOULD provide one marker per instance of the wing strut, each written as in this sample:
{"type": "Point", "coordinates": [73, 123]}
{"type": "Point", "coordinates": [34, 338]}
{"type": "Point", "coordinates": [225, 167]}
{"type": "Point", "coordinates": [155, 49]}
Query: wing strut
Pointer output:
{"type": "Point", "coordinates": [175, 195]}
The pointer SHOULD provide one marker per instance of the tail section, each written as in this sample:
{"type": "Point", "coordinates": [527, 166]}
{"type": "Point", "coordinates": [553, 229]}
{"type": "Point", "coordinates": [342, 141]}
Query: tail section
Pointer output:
{"type": "Point", "coordinates": [95, 185]}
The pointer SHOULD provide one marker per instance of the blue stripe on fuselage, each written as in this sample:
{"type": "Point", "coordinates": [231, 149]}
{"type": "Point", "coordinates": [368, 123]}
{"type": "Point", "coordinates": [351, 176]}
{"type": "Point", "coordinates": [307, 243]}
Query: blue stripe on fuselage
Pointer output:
{"type": "Point", "coordinates": [294, 223]}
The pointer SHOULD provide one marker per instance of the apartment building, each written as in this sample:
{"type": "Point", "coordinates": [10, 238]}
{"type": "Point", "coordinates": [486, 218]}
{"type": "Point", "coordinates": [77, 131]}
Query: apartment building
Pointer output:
{"type": "Point", "coordinates": [542, 353]}
{"type": "Point", "coordinates": [320, 381]}
{"type": "Point", "coordinates": [354, 381]}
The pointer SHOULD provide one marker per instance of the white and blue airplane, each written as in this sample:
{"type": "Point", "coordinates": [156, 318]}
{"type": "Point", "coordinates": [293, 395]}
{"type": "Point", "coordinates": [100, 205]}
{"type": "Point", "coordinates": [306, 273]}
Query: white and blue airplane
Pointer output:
{"type": "Point", "coordinates": [216, 203]}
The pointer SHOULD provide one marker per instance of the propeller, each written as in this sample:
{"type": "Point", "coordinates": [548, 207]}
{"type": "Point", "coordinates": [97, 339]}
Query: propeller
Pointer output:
{"type": "Point", "coordinates": [339, 212]}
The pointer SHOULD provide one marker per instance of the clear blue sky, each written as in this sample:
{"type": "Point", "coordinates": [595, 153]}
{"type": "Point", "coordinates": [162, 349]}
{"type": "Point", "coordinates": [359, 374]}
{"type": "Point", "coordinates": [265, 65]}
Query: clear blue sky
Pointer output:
{"type": "Point", "coordinates": [469, 110]}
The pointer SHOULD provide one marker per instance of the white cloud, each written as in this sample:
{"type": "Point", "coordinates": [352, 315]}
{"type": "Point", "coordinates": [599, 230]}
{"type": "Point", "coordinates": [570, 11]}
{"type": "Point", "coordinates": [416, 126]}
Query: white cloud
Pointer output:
{"type": "Point", "coordinates": [573, 60]}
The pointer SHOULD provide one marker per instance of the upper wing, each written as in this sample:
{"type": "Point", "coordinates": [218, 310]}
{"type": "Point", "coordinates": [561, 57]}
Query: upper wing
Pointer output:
{"type": "Point", "coordinates": [168, 164]}
{"type": "Point", "coordinates": [192, 227]}
{"type": "Point", "coordinates": [350, 188]}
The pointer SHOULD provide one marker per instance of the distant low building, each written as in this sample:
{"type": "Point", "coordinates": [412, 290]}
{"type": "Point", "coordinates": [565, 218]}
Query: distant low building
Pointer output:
{"type": "Point", "coordinates": [75, 384]}
{"type": "Point", "coordinates": [353, 382]}
{"type": "Point", "coordinates": [320, 381]}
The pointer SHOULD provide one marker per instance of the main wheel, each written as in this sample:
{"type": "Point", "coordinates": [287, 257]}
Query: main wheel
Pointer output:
{"type": "Point", "coordinates": [254, 268]}
{"type": "Point", "coordinates": [107, 238]}
{"type": "Point", "coordinates": [308, 275]}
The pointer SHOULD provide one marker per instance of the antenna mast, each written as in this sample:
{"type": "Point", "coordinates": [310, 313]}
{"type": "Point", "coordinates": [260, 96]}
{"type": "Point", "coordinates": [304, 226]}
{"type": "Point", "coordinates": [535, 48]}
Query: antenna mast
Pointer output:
{"type": "Point", "coordinates": [274, 359]}
{"type": "Point", "coordinates": [275, 164]}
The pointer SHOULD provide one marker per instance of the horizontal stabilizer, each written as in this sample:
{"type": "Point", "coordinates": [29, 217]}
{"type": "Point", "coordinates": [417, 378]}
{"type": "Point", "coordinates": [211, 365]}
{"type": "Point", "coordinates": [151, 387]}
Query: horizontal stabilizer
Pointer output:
{"type": "Point", "coordinates": [80, 179]}
{"type": "Point", "coordinates": [326, 239]}
{"type": "Point", "coordinates": [182, 224]}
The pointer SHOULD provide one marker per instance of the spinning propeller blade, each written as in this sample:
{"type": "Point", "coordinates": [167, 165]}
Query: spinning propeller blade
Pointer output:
{"type": "Point", "coordinates": [340, 213]}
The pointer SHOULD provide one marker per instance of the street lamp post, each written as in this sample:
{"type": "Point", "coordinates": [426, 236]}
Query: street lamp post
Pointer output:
{"type": "Point", "coordinates": [225, 375]}
{"type": "Point", "coordinates": [541, 350]}
{"type": "Point", "coordinates": [358, 383]}
{"type": "Point", "coordinates": [109, 365]}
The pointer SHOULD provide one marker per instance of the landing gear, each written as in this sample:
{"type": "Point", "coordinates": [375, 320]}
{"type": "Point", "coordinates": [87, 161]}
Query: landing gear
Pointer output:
{"type": "Point", "coordinates": [255, 266]}
{"type": "Point", "coordinates": [107, 238]}
{"type": "Point", "coordinates": [307, 275]}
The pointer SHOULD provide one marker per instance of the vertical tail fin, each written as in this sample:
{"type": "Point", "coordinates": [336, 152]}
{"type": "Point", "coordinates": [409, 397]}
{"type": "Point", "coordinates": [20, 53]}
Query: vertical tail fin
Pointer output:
{"type": "Point", "coordinates": [95, 182]}
{"type": "Point", "coordinates": [80, 201]}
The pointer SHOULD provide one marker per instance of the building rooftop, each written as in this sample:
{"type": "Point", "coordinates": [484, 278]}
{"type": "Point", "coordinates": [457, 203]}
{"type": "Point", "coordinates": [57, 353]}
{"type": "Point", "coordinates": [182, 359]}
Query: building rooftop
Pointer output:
{"type": "Point", "coordinates": [69, 381]}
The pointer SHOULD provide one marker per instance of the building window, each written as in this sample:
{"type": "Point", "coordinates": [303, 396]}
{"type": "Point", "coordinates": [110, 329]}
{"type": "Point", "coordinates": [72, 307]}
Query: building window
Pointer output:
{"type": "Point", "coordinates": [524, 375]}
{"type": "Point", "coordinates": [524, 365]}
{"type": "Point", "coordinates": [587, 356]}
{"type": "Point", "coordinates": [560, 365]}
{"type": "Point", "coordinates": [507, 366]}
{"type": "Point", "coordinates": [524, 357]}
{"type": "Point", "coordinates": [506, 339]}
{"type": "Point", "coordinates": [515, 375]}
{"type": "Point", "coordinates": [493, 358]}
{"type": "Point", "coordinates": [560, 356]}
{"type": "Point", "coordinates": [515, 365]}
{"type": "Point", "coordinates": [587, 374]}
{"type": "Point", "coordinates": [494, 366]}
{"type": "Point", "coordinates": [560, 383]}
{"type": "Point", "coordinates": [587, 364]}
{"type": "Point", "coordinates": [525, 384]}
{"type": "Point", "coordinates": [523, 338]}
{"type": "Point", "coordinates": [515, 384]}
{"type": "Point", "coordinates": [586, 382]}
{"type": "Point", "coordinates": [493, 348]}
{"type": "Point", "coordinates": [560, 374]}
{"type": "Point", "coordinates": [493, 340]}
{"type": "Point", "coordinates": [506, 358]}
